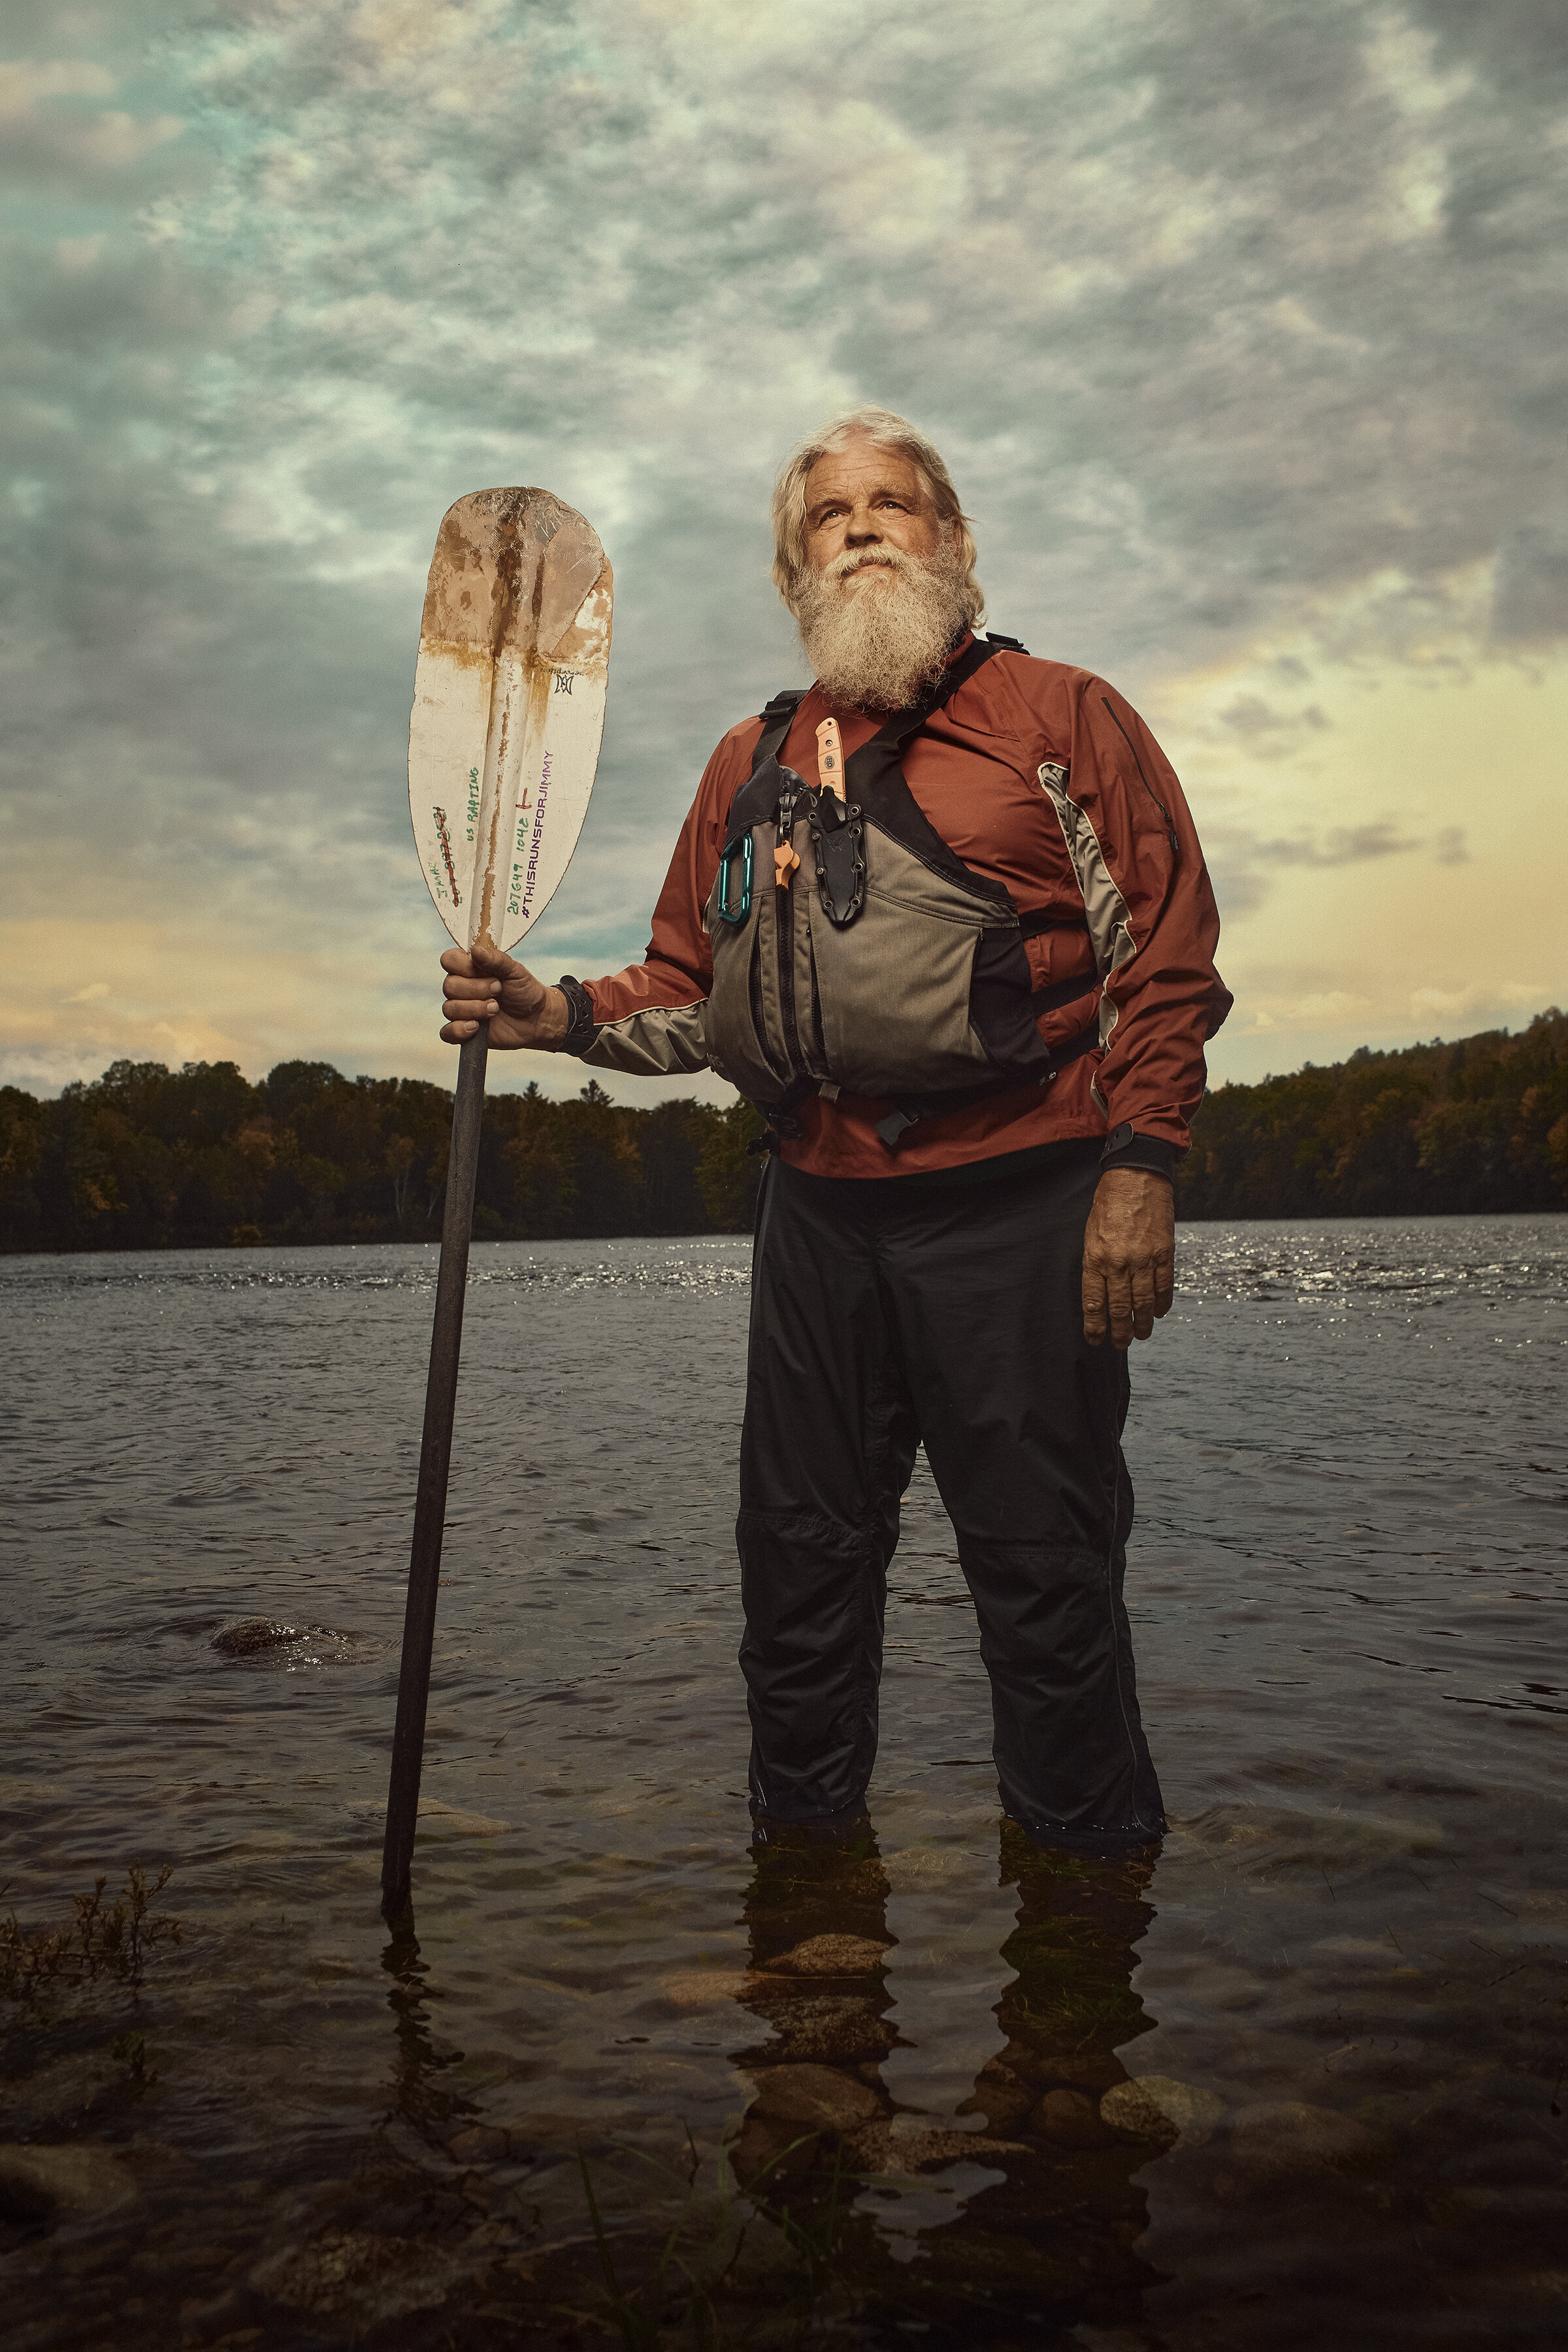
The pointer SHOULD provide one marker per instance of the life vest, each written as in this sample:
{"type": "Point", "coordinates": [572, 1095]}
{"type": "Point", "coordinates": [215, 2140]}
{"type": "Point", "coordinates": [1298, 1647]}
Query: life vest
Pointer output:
{"type": "Point", "coordinates": [885, 965]}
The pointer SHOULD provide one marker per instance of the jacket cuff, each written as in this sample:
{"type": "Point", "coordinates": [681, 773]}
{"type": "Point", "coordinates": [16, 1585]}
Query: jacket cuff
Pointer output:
{"type": "Point", "coordinates": [582, 1026]}
{"type": "Point", "coordinates": [1124, 1148]}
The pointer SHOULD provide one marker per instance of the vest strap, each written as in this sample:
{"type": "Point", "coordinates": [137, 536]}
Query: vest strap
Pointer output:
{"type": "Point", "coordinates": [916, 1108]}
{"type": "Point", "coordinates": [776, 718]}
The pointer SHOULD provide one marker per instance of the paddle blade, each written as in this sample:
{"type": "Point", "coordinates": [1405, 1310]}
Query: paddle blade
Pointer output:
{"type": "Point", "coordinates": [509, 707]}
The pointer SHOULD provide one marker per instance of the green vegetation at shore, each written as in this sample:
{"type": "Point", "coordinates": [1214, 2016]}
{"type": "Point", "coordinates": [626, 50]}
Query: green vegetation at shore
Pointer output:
{"type": "Point", "coordinates": [1438, 1129]}
{"type": "Point", "coordinates": [147, 1158]}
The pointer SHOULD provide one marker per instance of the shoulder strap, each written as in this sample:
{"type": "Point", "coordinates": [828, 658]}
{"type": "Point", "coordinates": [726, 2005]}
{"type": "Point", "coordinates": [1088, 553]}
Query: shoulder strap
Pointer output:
{"type": "Point", "coordinates": [905, 723]}
{"type": "Point", "coordinates": [872, 773]}
{"type": "Point", "coordinates": [755, 801]}
{"type": "Point", "coordinates": [874, 778]}
{"type": "Point", "coordinates": [776, 718]}
{"type": "Point", "coordinates": [778, 714]}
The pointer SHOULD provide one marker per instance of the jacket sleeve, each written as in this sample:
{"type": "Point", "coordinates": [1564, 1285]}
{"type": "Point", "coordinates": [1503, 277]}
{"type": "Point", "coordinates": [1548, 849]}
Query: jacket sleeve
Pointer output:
{"type": "Point", "coordinates": [649, 1019]}
{"type": "Point", "coordinates": [1152, 919]}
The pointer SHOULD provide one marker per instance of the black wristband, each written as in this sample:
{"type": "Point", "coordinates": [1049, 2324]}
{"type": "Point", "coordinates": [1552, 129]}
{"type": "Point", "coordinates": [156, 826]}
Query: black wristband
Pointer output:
{"type": "Point", "coordinates": [582, 1028]}
{"type": "Point", "coordinates": [1125, 1148]}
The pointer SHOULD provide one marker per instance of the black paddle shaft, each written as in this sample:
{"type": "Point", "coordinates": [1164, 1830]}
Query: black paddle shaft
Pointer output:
{"type": "Point", "coordinates": [435, 1462]}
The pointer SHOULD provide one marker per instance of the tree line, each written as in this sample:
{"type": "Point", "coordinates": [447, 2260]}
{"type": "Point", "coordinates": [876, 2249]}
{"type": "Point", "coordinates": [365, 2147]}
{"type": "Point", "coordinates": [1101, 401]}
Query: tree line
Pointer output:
{"type": "Point", "coordinates": [150, 1158]}
{"type": "Point", "coordinates": [1438, 1129]}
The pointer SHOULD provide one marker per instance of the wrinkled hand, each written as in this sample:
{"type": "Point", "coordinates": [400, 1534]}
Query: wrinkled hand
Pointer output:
{"type": "Point", "coordinates": [486, 985]}
{"type": "Point", "coordinates": [1129, 1256]}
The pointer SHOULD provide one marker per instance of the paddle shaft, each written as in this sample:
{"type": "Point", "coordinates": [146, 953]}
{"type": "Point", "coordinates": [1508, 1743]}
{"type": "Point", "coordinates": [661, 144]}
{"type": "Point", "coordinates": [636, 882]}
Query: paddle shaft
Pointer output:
{"type": "Point", "coordinates": [435, 1463]}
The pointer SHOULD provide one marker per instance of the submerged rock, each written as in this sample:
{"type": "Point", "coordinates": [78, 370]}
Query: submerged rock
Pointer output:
{"type": "Point", "coordinates": [829, 1956]}
{"type": "Point", "coordinates": [1285, 2135]}
{"type": "Point", "coordinates": [907, 2145]}
{"type": "Point", "coordinates": [816, 2098]}
{"type": "Point", "coordinates": [60, 2095]}
{"type": "Point", "coordinates": [815, 2027]}
{"type": "Point", "coordinates": [1156, 2107]}
{"type": "Point", "coordinates": [377, 2278]}
{"type": "Point", "coordinates": [999, 2095]}
{"type": "Point", "coordinates": [686, 1988]}
{"type": "Point", "coordinates": [53, 2184]}
{"type": "Point", "coordinates": [1068, 2118]}
{"type": "Point", "coordinates": [450, 1820]}
{"type": "Point", "coordinates": [480, 2143]}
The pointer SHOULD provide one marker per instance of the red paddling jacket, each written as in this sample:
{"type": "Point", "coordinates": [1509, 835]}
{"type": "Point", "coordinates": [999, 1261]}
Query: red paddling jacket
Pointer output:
{"type": "Point", "coordinates": [1035, 794]}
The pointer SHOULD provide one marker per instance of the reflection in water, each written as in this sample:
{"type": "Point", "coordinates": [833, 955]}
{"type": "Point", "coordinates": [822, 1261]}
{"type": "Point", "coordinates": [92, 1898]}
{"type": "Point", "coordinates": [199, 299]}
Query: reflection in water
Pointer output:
{"type": "Point", "coordinates": [1026, 2214]}
{"type": "Point", "coordinates": [433, 2108]}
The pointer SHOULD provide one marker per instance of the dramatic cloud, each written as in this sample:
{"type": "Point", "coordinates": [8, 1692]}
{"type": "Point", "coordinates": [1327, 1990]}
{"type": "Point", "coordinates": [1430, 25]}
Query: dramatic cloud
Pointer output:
{"type": "Point", "coordinates": [1240, 322]}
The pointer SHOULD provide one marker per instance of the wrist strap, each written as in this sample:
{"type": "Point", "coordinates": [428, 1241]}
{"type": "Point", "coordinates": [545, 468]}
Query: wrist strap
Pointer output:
{"type": "Point", "coordinates": [1126, 1149]}
{"type": "Point", "coordinates": [582, 1027]}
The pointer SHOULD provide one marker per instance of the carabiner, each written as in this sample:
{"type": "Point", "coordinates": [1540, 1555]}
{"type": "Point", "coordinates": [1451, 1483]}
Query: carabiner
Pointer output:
{"type": "Point", "coordinates": [726, 912]}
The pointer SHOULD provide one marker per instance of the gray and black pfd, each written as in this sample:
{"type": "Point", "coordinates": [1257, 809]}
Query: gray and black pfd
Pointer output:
{"type": "Point", "coordinates": [888, 967]}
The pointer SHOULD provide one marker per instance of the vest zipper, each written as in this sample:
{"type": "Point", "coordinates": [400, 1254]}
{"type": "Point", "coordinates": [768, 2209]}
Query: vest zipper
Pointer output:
{"type": "Point", "coordinates": [754, 1000]}
{"type": "Point", "coordinates": [784, 923]}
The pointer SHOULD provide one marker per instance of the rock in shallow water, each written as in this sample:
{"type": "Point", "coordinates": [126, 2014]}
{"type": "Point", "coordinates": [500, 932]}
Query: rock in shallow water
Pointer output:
{"type": "Point", "coordinates": [1285, 2135]}
{"type": "Point", "coordinates": [814, 2026]}
{"type": "Point", "coordinates": [907, 2145]}
{"type": "Point", "coordinates": [374, 2277]}
{"type": "Point", "coordinates": [51, 2184]}
{"type": "Point", "coordinates": [816, 2098]}
{"type": "Point", "coordinates": [1070, 2119]}
{"type": "Point", "coordinates": [828, 1956]}
{"type": "Point", "coordinates": [276, 1642]}
{"type": "Point", "coordinates": [436, 1820]}
{"type": "Point", "coordinates": [1156, 2107]}
{"type": "Point", "coordinates": [687, 1989]}
{"type": "Point", "coordinates": [254, 1634]}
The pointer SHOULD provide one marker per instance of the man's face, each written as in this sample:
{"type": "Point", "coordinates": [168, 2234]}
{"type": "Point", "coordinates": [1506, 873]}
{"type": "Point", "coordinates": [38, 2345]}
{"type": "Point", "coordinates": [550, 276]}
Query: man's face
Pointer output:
{"type": "Point", "coordinates": [882, 599]}
{"type": "Point", "coordinates": [862, 499]}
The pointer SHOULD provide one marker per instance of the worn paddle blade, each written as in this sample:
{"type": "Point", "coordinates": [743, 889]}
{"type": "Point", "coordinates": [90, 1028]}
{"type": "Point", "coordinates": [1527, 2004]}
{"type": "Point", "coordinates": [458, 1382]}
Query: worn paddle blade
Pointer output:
{"type": "Point", "coordinates": [509, 707]}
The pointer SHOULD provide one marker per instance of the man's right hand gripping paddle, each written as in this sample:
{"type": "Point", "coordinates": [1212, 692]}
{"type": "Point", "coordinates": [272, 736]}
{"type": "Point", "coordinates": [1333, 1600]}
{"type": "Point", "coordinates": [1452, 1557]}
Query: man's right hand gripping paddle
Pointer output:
{"type": "Point", "coordinates": [485, 986]}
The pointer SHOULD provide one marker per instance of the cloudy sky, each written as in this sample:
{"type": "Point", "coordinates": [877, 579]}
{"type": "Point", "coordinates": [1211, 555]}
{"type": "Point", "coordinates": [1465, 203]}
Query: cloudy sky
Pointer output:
{"type": "Point", "coordinates": [1241, 322]}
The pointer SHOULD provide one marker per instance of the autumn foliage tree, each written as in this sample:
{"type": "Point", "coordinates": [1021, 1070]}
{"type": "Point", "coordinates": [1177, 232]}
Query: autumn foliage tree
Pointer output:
{"type": "Point", "coordinates": [1481, 1124]}
{"type": "Point", "coordinates": [149, 1158]}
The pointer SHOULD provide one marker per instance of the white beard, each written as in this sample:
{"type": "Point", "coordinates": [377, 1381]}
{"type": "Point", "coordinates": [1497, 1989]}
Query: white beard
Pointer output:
{"type": "Point", "coordinates": [873, 646]}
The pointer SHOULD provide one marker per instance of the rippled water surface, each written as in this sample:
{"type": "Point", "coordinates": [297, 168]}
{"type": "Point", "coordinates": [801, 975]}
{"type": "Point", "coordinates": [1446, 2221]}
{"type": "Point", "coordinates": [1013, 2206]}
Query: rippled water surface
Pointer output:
{"type": "Point", "coordinates": [1301, 2084]}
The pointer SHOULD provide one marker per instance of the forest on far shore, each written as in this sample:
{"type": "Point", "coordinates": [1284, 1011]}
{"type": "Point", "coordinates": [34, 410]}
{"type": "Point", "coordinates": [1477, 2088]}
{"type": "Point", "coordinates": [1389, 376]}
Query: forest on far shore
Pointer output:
{"type": "Point", "coordinates": [149, 1158]}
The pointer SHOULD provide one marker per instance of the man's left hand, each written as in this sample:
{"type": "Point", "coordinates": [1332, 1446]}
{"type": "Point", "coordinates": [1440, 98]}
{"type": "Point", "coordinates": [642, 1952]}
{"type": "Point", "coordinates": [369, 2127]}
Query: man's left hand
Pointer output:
{"type": "Point", "coordinates": [1129, 1256]}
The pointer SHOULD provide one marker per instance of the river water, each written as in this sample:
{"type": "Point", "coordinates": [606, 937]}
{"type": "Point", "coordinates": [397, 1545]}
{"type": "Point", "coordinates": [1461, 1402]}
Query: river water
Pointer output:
{"type": "Point", "coordinates": [1302, 2082]}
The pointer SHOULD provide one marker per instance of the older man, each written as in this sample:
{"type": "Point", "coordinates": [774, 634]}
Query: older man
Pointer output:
{"type": "Point", "coordinates": [945, 918]}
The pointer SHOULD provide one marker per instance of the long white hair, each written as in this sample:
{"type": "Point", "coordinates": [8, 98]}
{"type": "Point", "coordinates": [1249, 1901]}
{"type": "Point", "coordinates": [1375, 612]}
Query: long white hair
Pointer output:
{"type": "Point", "coordinates": [888, 431]}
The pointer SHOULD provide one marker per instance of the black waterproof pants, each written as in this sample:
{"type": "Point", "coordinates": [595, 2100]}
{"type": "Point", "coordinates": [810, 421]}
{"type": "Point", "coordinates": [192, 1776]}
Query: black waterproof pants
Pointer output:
{"type": "Point", "coordinates": [888, 1313]}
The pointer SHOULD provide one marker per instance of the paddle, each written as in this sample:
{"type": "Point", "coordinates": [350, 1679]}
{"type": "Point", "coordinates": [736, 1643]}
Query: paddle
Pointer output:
{"type": "Point", "coordinates": [509, 706]}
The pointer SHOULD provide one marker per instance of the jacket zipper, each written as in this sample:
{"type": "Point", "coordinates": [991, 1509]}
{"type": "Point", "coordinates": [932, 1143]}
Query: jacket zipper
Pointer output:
{"type": "Point", "coordinates": [1143, 779]}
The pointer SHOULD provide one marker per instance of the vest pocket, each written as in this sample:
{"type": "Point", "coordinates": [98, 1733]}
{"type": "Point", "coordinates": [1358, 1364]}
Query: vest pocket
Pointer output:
{"type": "Point", "coordinates": [737, 1035]}
{"type": "Point", "coordinates": [894, 991]}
